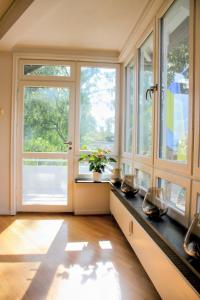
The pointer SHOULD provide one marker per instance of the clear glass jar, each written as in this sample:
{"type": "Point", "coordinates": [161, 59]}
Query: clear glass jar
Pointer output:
{"type": "Point", "coordinates": [154, 204]}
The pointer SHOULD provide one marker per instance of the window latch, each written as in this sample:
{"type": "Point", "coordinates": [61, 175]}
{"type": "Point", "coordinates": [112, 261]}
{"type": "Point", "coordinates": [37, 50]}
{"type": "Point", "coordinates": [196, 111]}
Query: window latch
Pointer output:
{"type": "Point", "coordinates": [151, 90]}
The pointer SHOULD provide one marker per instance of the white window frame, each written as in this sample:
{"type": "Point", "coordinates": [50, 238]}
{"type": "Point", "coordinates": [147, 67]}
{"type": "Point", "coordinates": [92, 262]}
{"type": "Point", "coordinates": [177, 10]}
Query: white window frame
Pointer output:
{"type": "Point", "coordinates": [44, 62]}
{"type": "Point", "coordinates": [183, 182]}
{"type": "Point", "coordinates": [168, 165]}
{"type": "Point", "coordinates": [78, 152]}
{"type": "Point", "coordinates": [125, 98]}
{"type": "Point", "coordinates": [183, 175]}
{"type": "Point", "coordinates": [126, 161]}
{"type": "Point", "coordinates": [138, 157]}
{"type": "Point", "coordinates": [195, 193]}
{"type": "Point", "coordinates": [147, 169]}
{"type": "Point", "coordinates": [196, 152]}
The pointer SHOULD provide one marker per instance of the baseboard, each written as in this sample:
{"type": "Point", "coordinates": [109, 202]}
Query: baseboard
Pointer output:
{"type": "Point", "coordinates": [91, 212]}
{"type": "Point", "coordinates": [5, 212]}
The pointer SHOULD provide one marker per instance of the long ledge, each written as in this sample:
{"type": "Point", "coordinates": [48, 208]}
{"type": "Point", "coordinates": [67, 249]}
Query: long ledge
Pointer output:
{"type": "Point", "coordinates": [167, 234]}
{"type": "Point", "coordinates": [83, 180]}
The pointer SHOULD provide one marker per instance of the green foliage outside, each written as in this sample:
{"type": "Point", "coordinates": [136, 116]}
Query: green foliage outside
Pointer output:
{"type": "Point", "coordinates": [97, 86]}
{"type": "Point", "coordinates": [45, 119]}
{"type": "Point", "coordinates": [46, 114]}
{"type": "Point", "coordinates": [178, 61]}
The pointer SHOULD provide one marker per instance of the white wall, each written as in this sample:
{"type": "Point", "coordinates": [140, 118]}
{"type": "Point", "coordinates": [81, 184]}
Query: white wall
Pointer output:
{"type": "Point", "coordinates": [5, 126]}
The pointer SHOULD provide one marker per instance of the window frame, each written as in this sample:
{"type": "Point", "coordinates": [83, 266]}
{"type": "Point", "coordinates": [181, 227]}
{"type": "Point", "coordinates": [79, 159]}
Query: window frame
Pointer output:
{"type": "Point", "coordinates": [137, 157]}
{"type": "Point", "coordinates": [116, 136]}
{"type": "Point", "coordinates": [169, 165]}
{"type": "Point", "coordinates": [195, 192]}
{"type": "Point", "coordinates": [127, 161]}
{"type": "Point", "coordinates": [196, 152]}
{"type": "Point", "coordinates": [146, 169]}
{"type": "Point", "coordinates": [78, 152]}
{"type": "Point", "coordinates": [24, 62]}
{"type": "Point", "coordinates": [131, 62]}
{"type": "Point", "coordinates": [183, 182]}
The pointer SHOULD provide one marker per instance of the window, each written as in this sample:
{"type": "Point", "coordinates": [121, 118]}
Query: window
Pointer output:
{"type": "Point", "coordinates": [46, 118]}
{"type": "Point", "coordinates": [84, 168]}
{"type": "Point", "coordinates": [176, 190]}
{"type": "Point", "coordinates": [97, 107]}
{"type": "Point", "coordinates": [168, 112]}
{"type": "Point", "coordinates": [174, 85]}
{"type": "Point", "coordinates": [47, 70]}
{"type": "Point", "coordinates": [144, 132]}
{"type": "Point", "coordinates": [84, 171]}
{"type": "Point", "coordinates": [143, 179]}
{"type": "Point", "coordinates": [129, 103]}
{"type": "Point", "coordinates": [126, 169]}
{"type": "Point", "coordinates": [174, 194]}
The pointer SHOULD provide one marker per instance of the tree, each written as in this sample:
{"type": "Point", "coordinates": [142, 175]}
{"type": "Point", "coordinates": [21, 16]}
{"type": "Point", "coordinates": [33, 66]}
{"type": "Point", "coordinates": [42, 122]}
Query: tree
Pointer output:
{"type": "Point", "coordinates": [46, 119]}
{"type": "Point", "coordinates": [46, 113]}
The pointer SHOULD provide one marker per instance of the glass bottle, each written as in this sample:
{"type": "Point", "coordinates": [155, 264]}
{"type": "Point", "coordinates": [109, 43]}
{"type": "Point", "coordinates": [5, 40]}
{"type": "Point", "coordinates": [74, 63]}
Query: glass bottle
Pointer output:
{"type": "Point", "coordinates": [154, 204]}
{"type": "Point", "coordinates": [192, 239]}
{"type": "Point", "coordinates": [128, 185]}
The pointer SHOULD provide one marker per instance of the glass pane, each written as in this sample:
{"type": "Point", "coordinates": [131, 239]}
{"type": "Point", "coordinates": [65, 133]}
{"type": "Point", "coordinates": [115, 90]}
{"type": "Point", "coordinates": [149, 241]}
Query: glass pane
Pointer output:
{"type": "Point", "coordinates": [46, 113]}
{"type": "Point", "coordinates": [126, 169]}
{"type": "Point", "coordinates": [175, 195]}
{"type": "Point", "coordinates": [97, 107]}
{"type": "Point", "coordinates": [129, 101]}
{"type": "Point", "coordinates": [84, 169]}
{"type": "Point", "coordinates": [175, 82]}
{"type": "Point", "coordinates": [144, 134]}
{"type": "Point", "coordinates": [47, 70]}
{"type": "Point", "coordinates": [45, 181]}
{"type": "Point", "coordinates": [143, 179]}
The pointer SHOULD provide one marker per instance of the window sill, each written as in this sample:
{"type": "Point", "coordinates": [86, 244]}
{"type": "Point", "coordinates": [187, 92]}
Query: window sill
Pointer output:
{"type": "Point", "coordinates": [167, 234]}
{"type": "Point", "coordinates": [84, 180]}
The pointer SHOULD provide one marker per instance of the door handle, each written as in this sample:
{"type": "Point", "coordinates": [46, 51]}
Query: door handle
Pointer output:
{"type": "Point", "coordinates": [151, 90]}
{"type": "Point", "coordinates": [68, 143]}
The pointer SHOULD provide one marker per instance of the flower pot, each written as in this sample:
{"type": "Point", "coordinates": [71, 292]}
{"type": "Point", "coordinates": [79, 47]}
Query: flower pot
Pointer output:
{"type": "Point", "coordinates": [97, 176]}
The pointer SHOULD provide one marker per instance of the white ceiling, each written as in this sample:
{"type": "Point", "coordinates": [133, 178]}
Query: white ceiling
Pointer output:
{"type": "Point", "coordinates": [75, 24]}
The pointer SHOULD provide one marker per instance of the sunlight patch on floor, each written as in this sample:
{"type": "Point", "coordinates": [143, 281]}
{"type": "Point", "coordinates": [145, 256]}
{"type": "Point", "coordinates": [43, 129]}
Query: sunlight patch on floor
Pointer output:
{"type": "Point", "coordinates": [94, 282]}
{"type": "Point", "coordinates": [23, 271]}
{"type": "Point", "coordinates": [105, 245]}
{"type": "Point", "coordinates": [39, 233]}
{"type": "Point", "coordinates": [76, 246]}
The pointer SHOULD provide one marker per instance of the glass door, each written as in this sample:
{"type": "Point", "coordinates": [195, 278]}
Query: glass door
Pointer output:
{"type": "Point", "coordinates": [45, 145]}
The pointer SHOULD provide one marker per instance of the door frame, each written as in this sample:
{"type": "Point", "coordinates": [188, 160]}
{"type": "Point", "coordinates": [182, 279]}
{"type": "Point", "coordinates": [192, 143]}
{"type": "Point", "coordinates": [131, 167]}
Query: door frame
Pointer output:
{"type": "Point", "coordinates": [20, 155]}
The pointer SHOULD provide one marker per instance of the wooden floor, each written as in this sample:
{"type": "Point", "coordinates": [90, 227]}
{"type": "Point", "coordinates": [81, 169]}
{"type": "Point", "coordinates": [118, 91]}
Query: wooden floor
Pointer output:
{"type": "Point", "coordinates": [68, 257]}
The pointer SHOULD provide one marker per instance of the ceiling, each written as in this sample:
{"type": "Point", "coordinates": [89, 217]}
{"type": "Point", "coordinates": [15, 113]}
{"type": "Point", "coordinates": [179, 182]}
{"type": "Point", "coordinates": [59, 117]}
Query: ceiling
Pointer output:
{"type": "Point", "coordinates": [74, 24]}
{"type": "Point", "coordinates": [4, 5]}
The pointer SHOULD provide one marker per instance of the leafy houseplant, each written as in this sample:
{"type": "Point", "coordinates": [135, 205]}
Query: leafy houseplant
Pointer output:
{"type": "Point", "coordinates": [97, 162]}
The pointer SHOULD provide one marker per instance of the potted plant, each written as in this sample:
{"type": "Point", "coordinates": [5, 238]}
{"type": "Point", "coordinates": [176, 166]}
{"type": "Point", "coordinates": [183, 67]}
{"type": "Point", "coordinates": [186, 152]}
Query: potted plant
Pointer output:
{"type": "Point", "coordinates": [97, 162]}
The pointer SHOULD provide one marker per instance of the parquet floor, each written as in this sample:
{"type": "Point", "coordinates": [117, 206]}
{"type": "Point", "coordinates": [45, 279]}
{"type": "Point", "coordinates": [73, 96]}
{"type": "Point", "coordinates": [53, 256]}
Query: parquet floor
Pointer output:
{"type": "Point", "coordinates": [60, 256]}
